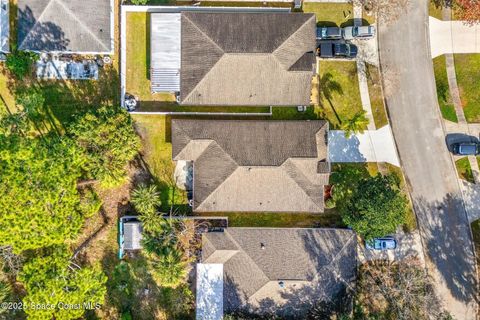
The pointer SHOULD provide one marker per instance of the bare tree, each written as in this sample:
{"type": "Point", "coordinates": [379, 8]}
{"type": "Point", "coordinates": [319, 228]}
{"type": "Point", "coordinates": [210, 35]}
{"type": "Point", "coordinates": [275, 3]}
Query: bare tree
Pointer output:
{"type": "Point", "coordinates": [398, 290]}
{"type": "Point", "coordinates": [386, 11]}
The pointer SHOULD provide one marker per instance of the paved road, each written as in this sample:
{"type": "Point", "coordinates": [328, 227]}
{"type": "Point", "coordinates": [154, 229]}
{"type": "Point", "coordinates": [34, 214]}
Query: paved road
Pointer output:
{"type": "Point", "coordinates": [417, 127]}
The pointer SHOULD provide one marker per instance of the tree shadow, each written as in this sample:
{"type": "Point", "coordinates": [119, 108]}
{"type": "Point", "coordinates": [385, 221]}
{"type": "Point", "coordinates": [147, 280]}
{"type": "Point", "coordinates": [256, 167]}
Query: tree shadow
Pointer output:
{"type": "Point", "coordinates": [351, 22]}
{"type": "Point", "coordinates": [328, 86]}
{"type": "Point", "coordinates": [39, 36]}
{"type": "Point", "coordinates": [342, 149]}
{"type": "Point", "coordinates": [446, 235]}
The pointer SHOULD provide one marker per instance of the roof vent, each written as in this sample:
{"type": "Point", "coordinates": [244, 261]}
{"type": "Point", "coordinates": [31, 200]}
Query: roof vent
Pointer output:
{"type": "Point", "coordinates": [281, 284]}
{"type": "Point", "coordinates": [262, 246]}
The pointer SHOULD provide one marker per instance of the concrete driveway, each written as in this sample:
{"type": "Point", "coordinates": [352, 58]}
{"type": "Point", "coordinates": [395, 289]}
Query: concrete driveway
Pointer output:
{"type": "Point", "coordinates": [453, 37]}
{"type": "Point", "coordinates": [370, 146]}
{"type": "Point", "coordinates": [409, 245]}
{"type": "Point", "coordinates": [429, 169]}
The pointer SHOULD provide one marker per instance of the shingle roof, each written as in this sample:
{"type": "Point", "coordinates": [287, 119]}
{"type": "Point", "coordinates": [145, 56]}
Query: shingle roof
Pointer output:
{"type": "Point", "coordinates": [312, 263]}
{"type": "Point", "coordinates": [254, 165]}
{"type": "Point", "coordinates": [65, 25]}
{"type": "Point", "coordinates": [246, 58]}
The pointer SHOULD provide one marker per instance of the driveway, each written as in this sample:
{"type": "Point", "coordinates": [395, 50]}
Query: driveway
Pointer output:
{"type": "Point", "coordinates": [409, 245]}
{"type": "Point", "coordinates": [429, 169]}
{"type": "Point", "coordinates": [453, 37]}
{"type": "Point", "coordinates": [370, 146]}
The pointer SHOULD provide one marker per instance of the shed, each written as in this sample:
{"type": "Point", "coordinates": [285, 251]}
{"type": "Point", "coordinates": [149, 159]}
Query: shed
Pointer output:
{"type": "Point", "coordinates": [132, 232]}
{"type": "Point", "coordinates": [165, 52]}
{"type": "Point", "coordinates": [209, 304]}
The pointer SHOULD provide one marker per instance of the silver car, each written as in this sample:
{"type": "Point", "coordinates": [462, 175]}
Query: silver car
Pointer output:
{"type": "Point", "coordinates": [362, 32]}
{"type": "Point", "coordinates": [386, 243]}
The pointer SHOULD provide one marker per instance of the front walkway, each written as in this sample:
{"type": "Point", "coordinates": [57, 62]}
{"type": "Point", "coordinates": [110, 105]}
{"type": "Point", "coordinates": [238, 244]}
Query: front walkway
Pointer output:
{"type": "Point", "coordinates": [370, 146]}
{"type": "Point", "coordinates": [453, 37]}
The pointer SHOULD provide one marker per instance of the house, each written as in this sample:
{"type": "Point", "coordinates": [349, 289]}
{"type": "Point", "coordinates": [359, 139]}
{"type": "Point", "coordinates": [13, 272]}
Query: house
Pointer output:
{"type": "Point", "coordinates": [227, 58]}
{"type": "Point", "coordinates": [66, 26]}
{"type": "Point", "coordinates": [254, 166]}
{"type": "Point", "coordinates": [4, 28]}
{"type": "Point", "coordinates": [271, 271]}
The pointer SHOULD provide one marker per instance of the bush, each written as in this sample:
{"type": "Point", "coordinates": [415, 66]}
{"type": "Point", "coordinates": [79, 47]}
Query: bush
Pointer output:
{"type": "Point", "coordinates": [139, 2]}
{"type": "Point", "coordinates": [146, 199]}
{"type": "Point", "coordinates": [20, 63]}
{"type": "Point", "coordinates": [330, 203]}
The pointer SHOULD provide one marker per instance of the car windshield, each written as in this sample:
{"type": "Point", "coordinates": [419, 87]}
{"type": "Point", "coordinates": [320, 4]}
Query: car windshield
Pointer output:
{"type": "Point", "coordinates": [355, 31]}
{"type": "Point", "coordinates": [468, 149]}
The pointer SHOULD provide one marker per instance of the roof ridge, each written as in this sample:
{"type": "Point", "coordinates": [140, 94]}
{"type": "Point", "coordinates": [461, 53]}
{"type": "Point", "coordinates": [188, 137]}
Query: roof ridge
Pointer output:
{"type": "Point", "coordinates": [229, 175]}
{"type": "Point", "coordinates": [214, 43]}
{"type": "Point", "coordinates": [298, 172]}
{"type": "Point", "coordinates": [288, 39]}
{"type": "Point", "coordinates": [36, 23]}
{"type": "Point", "coordinates": [82, 24]}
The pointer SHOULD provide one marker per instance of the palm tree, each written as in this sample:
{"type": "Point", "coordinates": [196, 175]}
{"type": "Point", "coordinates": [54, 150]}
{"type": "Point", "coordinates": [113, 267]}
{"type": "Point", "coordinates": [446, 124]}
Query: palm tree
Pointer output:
{"type": "Point", "coordinates": [328, 86]}
{"type": "Point", "coordinates": [146, 199]}
{"type": "Point", "coordinates": [169, 269]}
{"type": "Point", "coordinates": [356, 124]}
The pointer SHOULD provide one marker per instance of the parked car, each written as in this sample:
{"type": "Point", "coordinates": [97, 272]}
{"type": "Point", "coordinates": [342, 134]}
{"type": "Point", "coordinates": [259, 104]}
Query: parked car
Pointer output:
{"type": "Point", "coordinates": [360, 32]}
{"type": "Point", "coordinates": [329, 33]}
{"type": "Point", "coordinates": [337, 50]}
{"type": "Point", "coordinates": [466, 148]}
{"type": "Point", "coordinates": [386, 243]}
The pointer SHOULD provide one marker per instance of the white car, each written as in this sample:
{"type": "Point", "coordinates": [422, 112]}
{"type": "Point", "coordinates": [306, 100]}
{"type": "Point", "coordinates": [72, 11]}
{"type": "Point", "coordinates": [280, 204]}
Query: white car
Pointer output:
{"type": "Point", "coordinates": [362, 32]}
{"type": "Point", "coordinates": [386, 243]}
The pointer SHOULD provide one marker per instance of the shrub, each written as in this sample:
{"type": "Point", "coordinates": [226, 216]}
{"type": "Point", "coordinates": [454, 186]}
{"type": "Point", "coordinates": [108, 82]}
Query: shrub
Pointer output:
{"type": "Point", "coordinates": [20, 63]}
{"type": "Point", "coordinates": [139, 2]}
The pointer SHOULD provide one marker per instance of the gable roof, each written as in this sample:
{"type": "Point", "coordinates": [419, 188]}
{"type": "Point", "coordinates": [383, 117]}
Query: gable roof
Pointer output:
{"type": "Point", "coordinates": [310, 263]}
{"type": "Point", "coordinates": [254, 165]}
{"type": "Point", "coordinates": [246, 58]}
{"type": "Point", "coordinates": [65, 25]}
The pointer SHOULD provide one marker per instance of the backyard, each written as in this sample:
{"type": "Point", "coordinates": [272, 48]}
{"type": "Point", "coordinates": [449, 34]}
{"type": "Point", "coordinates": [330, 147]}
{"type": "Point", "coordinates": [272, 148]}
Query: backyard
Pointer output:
{"type": "Point", "coordinates": [443, 91]}
{"type": "Point", "coordinates": [467, 67]}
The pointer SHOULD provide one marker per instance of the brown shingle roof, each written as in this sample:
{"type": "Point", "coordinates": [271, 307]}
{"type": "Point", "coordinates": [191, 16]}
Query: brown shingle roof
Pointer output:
{"type": "Point", "coordinates": [246, 58]}
{"type": "Point", "coordinates": [253, 165]}
{"type": "Point", "coordinates": [311, 263]}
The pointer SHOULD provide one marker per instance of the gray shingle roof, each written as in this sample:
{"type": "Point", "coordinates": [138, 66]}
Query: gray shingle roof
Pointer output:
{"type": "Point", "coordinates": [267, 166]}
{"type": "Point", "coordinates": [246, 58]}
{"type": "Point", "coordinates": [310, 262]}
{"type": "Point", "coordinates": [65, 25]}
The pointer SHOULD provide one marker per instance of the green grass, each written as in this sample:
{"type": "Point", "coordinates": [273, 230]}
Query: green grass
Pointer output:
{"type": "Point", "coordinates": [157, 153]}
{"type": "Point", "coordinates": [467, 67]}
{"type": "Point", "coordinates": [351, 173]}
{"type": "Point", "coordinates": [331, 14]}
{"type": "Point", "coordinates": [376, 96]}
{"type": "Point", "coordinates": [329, 218]}
{"type": "Point", "coordinates": [476, 238]}
{"type": "Point", "coordinates": [435, 11]}
{"type": "Point", "coordinates": [443, 90]}
{"type": "Point", "coordinates": [464, 170]}
{"type": "Point", "coordinates": [339, 92]}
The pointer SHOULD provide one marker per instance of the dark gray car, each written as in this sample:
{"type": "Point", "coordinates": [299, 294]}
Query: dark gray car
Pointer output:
{"type": "Point", "coordinates": [466, 148]}
{"type": "Point", "coordinates": [337, 50]}
{"type": "Point", "coordinates": [329, 33]}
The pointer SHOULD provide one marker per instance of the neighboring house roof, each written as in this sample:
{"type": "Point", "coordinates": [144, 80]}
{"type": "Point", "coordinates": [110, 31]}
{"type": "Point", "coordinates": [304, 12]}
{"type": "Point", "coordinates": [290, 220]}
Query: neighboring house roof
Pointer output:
{"type": "Point", "coordinates": [65, 25]}
{"type": "Point", "coordinates": [268, 166]}
{"type": "Point", "coordinates": [4, 26]}
{"type": "Point", "coordinates": [281, 270]}
{"type": "Point", "coordinates": [246, 58]}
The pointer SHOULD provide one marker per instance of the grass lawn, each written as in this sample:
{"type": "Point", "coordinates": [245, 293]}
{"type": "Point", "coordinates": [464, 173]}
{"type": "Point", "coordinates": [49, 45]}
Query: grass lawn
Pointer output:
{"type": "Point", "coordinates": [476, 238]}
{"type": "Point", "coordinates": [467, 67]}
{"type": "Point", "coordinates": [376, 96]}
{"type": "Point", "coordinates": [157, 153]}
{"type": "Point", "coordinates": [339, 92]}
{"type": "Point", "coordinates": [464, 170]}
{"type": "Point", "coordinates": [331, 14]}
{"type": "Point", "coordinates": [246, 4]}
{"type": "Point", "coordinates": [435, 11]}
{"type": "Point", "coordinates": [443, 90]}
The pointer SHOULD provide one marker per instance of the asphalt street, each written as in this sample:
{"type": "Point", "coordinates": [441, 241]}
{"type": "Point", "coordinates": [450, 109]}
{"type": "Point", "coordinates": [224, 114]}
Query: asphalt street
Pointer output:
{"type": "Point", "coordinates": [417, 127]}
